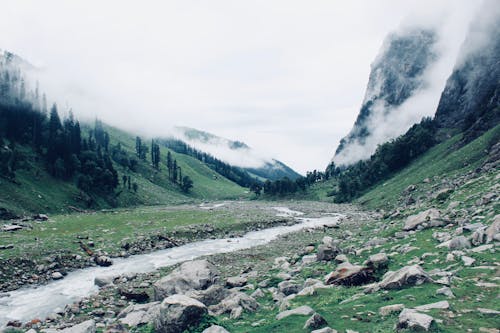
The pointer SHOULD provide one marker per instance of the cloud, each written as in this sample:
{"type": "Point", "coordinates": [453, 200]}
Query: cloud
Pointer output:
{"type": "Point", "coordinates": [284, 76]}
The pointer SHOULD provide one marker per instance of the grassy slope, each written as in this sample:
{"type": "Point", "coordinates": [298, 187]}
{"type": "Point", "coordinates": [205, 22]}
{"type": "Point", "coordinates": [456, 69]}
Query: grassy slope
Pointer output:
{"type": "Point", "coordinates": [37, 191]}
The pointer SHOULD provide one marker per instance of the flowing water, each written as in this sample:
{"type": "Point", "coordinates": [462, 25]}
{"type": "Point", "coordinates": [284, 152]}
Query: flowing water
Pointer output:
{"type": "Point", "coordinates": [38, 302]}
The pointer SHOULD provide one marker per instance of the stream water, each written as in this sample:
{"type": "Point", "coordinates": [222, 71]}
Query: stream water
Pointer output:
{"type": "Point", "coordinates": [40, 301]}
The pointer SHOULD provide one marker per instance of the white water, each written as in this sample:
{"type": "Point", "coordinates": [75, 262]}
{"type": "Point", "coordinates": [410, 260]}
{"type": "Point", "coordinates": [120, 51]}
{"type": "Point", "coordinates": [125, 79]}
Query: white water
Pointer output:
{"type": "Point", "coordinates": [38, 302]}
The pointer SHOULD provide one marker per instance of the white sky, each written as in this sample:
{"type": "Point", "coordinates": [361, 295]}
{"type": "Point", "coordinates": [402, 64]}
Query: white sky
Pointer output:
{"type": "Point", "coordinates": [286, 77]}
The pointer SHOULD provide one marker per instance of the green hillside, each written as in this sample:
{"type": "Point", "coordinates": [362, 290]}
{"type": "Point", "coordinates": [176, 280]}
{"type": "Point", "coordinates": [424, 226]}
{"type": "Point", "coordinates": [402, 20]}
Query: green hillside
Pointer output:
{"type": "Point", "coordinates": [35, 190]}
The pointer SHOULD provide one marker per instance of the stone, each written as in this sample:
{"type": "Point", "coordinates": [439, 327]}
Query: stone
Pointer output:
{"type": "Point", "coordinates": [104, 261]}
{"type": "Point", "coordinates": [493, 231]}
{"type": "Point", "coordinates": [478, 237]}
{"type": "Point", "coordinates": [300, 311]}
{"type": "Point", "coordinates": [406, 276]}
{"type": "Point", "coordinates": [215, 329]}
{"type": "Point", "coordinates": [236, 281]}
{"type": "Point", "coordinates": [289, 287]}
{"type": "Point", "coordinates": [341, 258]}
{"type": "Point", "coordinates": [210, 296]}
{"type": "Point", "coordinates": [139, 314]}
{"type": "Point", "coordinates": [326, 253]}
{"type": "Point", "coordinates": [191, 275]}
{"type": "Point", "coordinates": [325, 330]}
{"type": "Point", "coordinates": [56, 276]}
{"type": "Point", "coordinates": [102, 281]}
{"type": "Point", "coordinates": [459, 243]}
{"type": "Point", "coordinates": [177, 312]}
{"type": "Point", "coordinates": [411, 319]}
{"type": "Point", "coordinates": [234, 300]}
{"type": "Point", "coordinates": [446, 291]}
{"type": "Point", "coordinates": [84, 327]}
{"type": "Point", "coordinates": [309, 259]}
{"type": "Point", "coordinates": [427, 216]}
{"type": "Point", "coordinates": [388, 309]}
{"type": "Point", "coordinates": [438, 305]}
{"type": "Point", "coordinates": [468, 261]}
{"type": "Point", "coordinates": [314, 322]}
{"type": "Point", "coordinates": [348, 274]}
{"type": "Point", "coordinates": [377, 261]}
{"type": "Point", "coordinates": [488, 311]}
{"type": "Point", "coordinates": [134, 294]}
{"type": "Point", "coordinates": [258, 293]}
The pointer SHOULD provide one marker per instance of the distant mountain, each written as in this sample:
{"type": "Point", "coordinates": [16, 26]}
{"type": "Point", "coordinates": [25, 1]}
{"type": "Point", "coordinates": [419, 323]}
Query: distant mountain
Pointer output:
{"type": "Point", "coordinates": [396, 75]}
{"type": "Point", "coordinates": [235, 153]}
{"type": "Point", "coordinates": [470, 100]}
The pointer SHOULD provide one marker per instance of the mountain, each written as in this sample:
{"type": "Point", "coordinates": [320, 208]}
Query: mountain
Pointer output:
{"type": "Point", "coordinates": [397, 74]}
{"type": "Point", "coordinates": [470, 100]}
{"type": "Point", "coordinates": [235, 153]}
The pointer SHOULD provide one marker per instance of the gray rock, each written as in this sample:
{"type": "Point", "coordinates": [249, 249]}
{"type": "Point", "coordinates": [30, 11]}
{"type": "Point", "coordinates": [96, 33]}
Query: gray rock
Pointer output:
{"type": "Point", "coordinates": [139, 314]}
{"type": "Point", "coordinates": [349, 275]}
{"type": "Point", "coordinates": [84, 327]}
{"type": "Point", "coordinates": [56, 276]}
{"type": "Point", "coordinates": [102, 281]}
{"type": "Point", "coordinates": [388, 309]}
{"type": "Point", "coordinates": [191, 275]}
{"type": "Point", "coordinates": [468, 261]}
{"type": "Point", "coordinates": [459, 243]}
{"type": "Point", "coordinates": [210, 296]}
{"type": "Point", "coordinates": [438, 305]}
{"type": "Point", "coordinates": [377, 261]}
{"type": "Point", "coordinates": [411, 319]}
{"type": "Point", "coordinates": [177, 312]}
{"type": "Point", "coordinates": [492, 232]}
{"type": "Point", "coordinates": [236, 281]}
{"type": "Point", "coordinates": [341, 258]}
{"type": "Point", "coordinates": [314, 322]}
{"type": "Point", "coordinates": [215, 329]}
{"type": "Point", "coordinates": [103, 261]}
{"type": "Point", "coordinates": [234, 300]}
{"type": "Point", "coordinates": [326, 252]}
{"type": "Point", "coordinates": [406, 276]}
{"type": "Point", "coordinates": [413, 221]}
{"type": "Point", "coordinates": [289, 287]}
{"type": "Point", "coordinates": [446, 291]}
{"type": "Point", "coordinates": [300, 311]}
{"type": "Point", "coordinates": [325, 330]}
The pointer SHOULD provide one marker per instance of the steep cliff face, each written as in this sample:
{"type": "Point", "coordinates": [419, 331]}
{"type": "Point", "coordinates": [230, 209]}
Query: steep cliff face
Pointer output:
{"type": "Point", "coordinates": [470, 100]}
{"type": "Point", "coordinates": [396, 74]}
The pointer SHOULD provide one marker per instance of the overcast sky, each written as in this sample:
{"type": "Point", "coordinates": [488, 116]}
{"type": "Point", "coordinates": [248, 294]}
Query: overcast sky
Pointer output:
{"type": "Point", "coordinates": [286, 77]}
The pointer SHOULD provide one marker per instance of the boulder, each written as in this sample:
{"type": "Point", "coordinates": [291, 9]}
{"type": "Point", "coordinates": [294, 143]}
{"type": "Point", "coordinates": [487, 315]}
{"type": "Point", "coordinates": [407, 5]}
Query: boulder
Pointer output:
{"type": "Point", "coordinates": [388, 309]}
{"type": "Point", "coordinates": [139, 314]}
{"type": "Point", "coordinates": [177, 312]}
{"type": "Point", "coordinates": [326, 252]}
{"type": "Point", "coordinates": [406, 276]}
{"type": "Point", "coordinates": [236, 281]}
{"type": "Point", "coordinates": [446, 291]}
{"type": "Point", "coordinates": [493, 231]}
{"type": "Point", "coordinates": [134, 294]}
{"type": "Point", "coordinates": [377, 261]}
{"type": "Point", "coordinates": [459, 243]}
{"type": "Point", "coordinates": [56, 276]}
{"type": "Point", "coordinates": [427, 216]}
{"type": "Point", "coordinates": [411, 319]}
{"type": "Point", "coordinates": [234, 300]}
{"type": "Point", "coordinates": [210, 296]}
{"type": "Point", "coordinates": [341, 258]}
{"type": "Point", "coordinates": [325, 330]}
{"type": "Point", "coordinates": [84, 327]}
{"type": "Point", "coordinates": [438, 305]}
{"type": "Point", "coordinates": [191, 275]}
{"type": "Point", "coordinates": [300, 311]}
{"type": "Point", "coordinates": [348, 274]}
{"type": "Point", "coordinates": [314, 322]}
{"type": "Point", "coordinates": [215, 329]}
{"type": "Point", "coordinates": [289, 287]}
{"type": "Point", "coordinates": [102, 281]}
{"type": "Point", "coordinates": [104, 261]}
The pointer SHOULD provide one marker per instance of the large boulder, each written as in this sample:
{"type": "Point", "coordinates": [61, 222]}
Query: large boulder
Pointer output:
{"type": "Point", "coordinates": [215, 329]}
{"type": "Point", "coordinates": [84, 327]}
{"type": "Point", "coordinates": [191, 275]}
{"type": "Point", "coordinates": [289, 287]}
{"type": "Point", "coordinates": [210, 296]}
{"type": "Point", "coordinates": [104, 261]}
{"type": "Point", "coordinates": [411, 319]}
{"type": "Point", "coordinates": [327, 252]}
{"type": "Point", "coordinates": [493, 231]}
{"type": "Point", "coordinates": [139, 314]}
{"type": "Point", "coordinates": [348, 274]}
{"type": "Point", "coordinates": [377, 261]}
{"type": "Point", "coordinates": [177, 313]}
{"type": "Point", "coordinates": [406, 276]}
{"type": "Point", "coordinates": [431, 217]}
{"type": "Point", "coordinates": [314, 322]}
{"type": "Point", "coordinates": [300, 311]}
{"type": "Point", "coordinates": [235, 303]}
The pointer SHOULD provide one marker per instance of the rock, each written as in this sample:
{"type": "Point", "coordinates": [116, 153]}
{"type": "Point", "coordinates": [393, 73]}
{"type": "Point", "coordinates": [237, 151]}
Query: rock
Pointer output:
{"type": "Point", "coordinates": [427, 216]}
{"type": "Point", "coordinates": [102, 281]}
{"type": "Point", "coordinates": [406, 276]}
{"type": "Point", "coordinates": [84, 327]}
{"type": "Point", "coordinates": [377, 261]}
{"type": "Point", "coordinates": [492, 232]}
{"type": "Point", "coordinates": [210, 296]}
{"type": "Point", "coordinates": [325, 330]}
{"type": "Point", "coordinates": [326, 253]}
{"type": "Point", "coordinates": [478, 237]}
{"type": "Point", "coordinates": [139, 314]}
{"type": "Point", "coordinates": [309, 259]}
{"type": "Point", "coordinates": [348, 274]}
{"type": "Point", "coordinates": [437, 305]}
{"type": "Point", "coordinates": [341, 258]}
{"type": "Point", "coordinates": [300, 311]}
{"type": "Point", "coordinates": [104, 261]}
{"type": "Point", "coordinates": [446, 291]}
{"type": "Point", "coordinates": [314, 322]}
{"type": "Point", "coordinates": [468, 261]}
{"type": "Point", "coordinates": [289, 287]}
{"type": "Point", "coordinates": [6, 247]}
{"type": "Point", "coordinates": [459, 243]}
{"type": "Point", "coordinates": [411, 319]}
{"type": "Point", "coordinates": [177, 312]}
{"type": "Point", "coordinates": [488, 311]}
{"type": "Point", "coordinates": [258, 293]}
{"type": "Point", "coordinates": [388, 309]}
{"type": "Point", "coordinates": [56, 276]}
{"type": "Point", "coordinates": [191, 275]}
{"type": "Point", "coordinates": [215, 329]}
{"type": "Point", "coordinates": [236, 281]}
{"type": "Point", "coordinates": [134, 294]}
{"type": "Point", "coordinates": [234, 300]}
{"type": "Point", "coordinates": [472, 227]}
{"type": "Point", "coordinates": [11, 227]}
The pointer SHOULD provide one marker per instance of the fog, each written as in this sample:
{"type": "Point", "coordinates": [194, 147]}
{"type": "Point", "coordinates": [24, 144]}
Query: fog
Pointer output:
{"type": "Point", "coordinates": [285, 77]}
